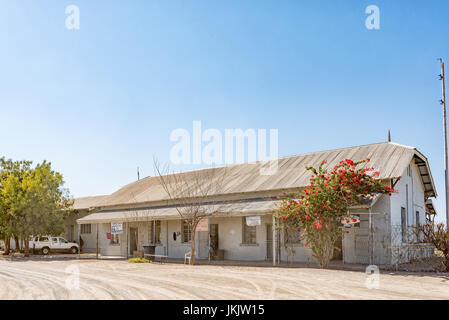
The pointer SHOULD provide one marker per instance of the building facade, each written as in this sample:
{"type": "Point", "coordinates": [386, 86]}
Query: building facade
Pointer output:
{"type": "Point", "coordinates": [148, 216]}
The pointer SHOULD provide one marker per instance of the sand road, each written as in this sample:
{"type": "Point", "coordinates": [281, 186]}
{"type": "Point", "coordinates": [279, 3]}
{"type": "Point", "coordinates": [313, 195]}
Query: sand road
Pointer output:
{"type": "Point", "coordinates": [100, 279]}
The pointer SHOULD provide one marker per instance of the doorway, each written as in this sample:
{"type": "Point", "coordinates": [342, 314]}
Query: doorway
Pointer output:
{"type": "Point", "coordinates": [132, 240]}
{"type": "Point", "coordinates": [269, 228]}
{"type": "Point", "coordinates": [214, 237]}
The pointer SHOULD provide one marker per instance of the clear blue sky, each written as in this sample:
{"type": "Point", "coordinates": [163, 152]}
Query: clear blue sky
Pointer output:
{"type": "Point", "coordinates": [102, 100]}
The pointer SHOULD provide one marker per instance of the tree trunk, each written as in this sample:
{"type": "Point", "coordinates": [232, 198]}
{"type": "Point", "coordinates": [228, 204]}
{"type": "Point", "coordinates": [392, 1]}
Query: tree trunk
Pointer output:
{"type": "Point", "coordinates": [192, 248]}
{"type": "Point", "coordinates": [17, 242]}
{"type": "Point", "coordinates": [27, 248]}
{"type": "Point", "coordinates": [7, 246]}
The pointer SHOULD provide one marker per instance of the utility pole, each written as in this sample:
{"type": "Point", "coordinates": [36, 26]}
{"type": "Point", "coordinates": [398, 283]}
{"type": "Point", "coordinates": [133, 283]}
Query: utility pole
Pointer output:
{"type": "Point", "coordinates": [443, 102]}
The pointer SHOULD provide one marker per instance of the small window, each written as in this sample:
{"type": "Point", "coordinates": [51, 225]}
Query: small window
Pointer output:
{"type": "Point", "coordinates": [115, 239]}
{"type": "Point", "coordinates": [86, 228]}
{"type": "Point", "coordinates": [292, 236]}
{"type": "Point", "coordinates": [62, 240]}
{"type": "Point", "coordinates": [54, 239]}
{"type": "Point", "coordinates": [249, 233]}
{"type": "Point", "coordinates": [418, 222]}
{"type": "Point", "coordinates": [154, 232]}
{"type": "Point", "coordinates": [186, 232]}
{"type": "Point", "coordinates": [403, 225]}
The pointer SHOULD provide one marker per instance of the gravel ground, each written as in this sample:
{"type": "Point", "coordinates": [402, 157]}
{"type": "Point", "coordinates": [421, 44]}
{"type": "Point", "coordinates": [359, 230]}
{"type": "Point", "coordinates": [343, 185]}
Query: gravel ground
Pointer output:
{"type": "Point", "coordinates": [100, 279]}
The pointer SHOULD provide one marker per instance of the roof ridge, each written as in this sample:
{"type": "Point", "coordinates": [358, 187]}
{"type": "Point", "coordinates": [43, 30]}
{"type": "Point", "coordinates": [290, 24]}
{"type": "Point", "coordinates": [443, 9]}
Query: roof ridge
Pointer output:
{"type": "Point", "coordinates": [278, 158]}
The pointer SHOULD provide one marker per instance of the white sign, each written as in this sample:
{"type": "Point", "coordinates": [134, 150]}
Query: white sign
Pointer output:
{"type": "Point", "coordinates": [203, 225]}
{"type": "Point", "coordinates": [253, 221]}
{"type": "Point", "coordinates": [116, 227]}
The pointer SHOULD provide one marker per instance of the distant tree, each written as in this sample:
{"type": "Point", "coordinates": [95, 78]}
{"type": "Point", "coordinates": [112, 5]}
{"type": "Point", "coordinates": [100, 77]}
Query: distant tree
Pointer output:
{"type": "Point", "coordinates": [34, 201]}
{"type": "Point", "coordinates": [12, 174]}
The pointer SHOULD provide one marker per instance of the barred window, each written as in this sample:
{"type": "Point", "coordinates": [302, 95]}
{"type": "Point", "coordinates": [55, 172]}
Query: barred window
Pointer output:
{"type": "Point", "coordinates": [292, 236]}
{"type": "Point", "coordinates": [86, 228]}
{"type": "Point", "coordinates": [249, 233]}
{"type": "Point", "coordinates": [154, 232]}
{"type": "Point", "coordinates": [404, 225]}
{"type": "Point", "coordinates": [186, 232]}
{"type": "Point", "coordinates": [115, 239]}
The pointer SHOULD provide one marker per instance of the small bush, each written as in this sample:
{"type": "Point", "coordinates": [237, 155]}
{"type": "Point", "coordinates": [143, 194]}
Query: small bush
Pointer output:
{"type": "Point", "coordinates": [438, 235]}
{"type": "Point", "coordinates": [139, 260]}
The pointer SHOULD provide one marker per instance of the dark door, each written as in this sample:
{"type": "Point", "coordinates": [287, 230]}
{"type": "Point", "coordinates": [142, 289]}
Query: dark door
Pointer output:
{"type": "Point", "coordinates": [132, 240]}
{"type": "Point", "coordinates": [269, 241]}
{"type": "Point", "coordinates": [214, 236]}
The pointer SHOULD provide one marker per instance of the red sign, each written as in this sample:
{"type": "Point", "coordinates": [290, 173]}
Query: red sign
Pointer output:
{"type": "Point", "coordinates": [108, 235]}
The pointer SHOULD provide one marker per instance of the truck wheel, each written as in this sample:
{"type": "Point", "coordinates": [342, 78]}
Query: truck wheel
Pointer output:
{"type": "Point", "coordinates": [45, 250]}
{"type": "Point", "coordinates": [74, 250]}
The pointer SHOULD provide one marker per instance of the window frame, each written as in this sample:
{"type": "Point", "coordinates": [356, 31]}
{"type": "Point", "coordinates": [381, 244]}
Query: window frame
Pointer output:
{"type": "Point", "coordinates": [186, 232]}
{"type": "Point", "coordinates": [288, 237]}
{"type": "Point", "coordinates": [84, 227]}
{"type": "Point", "coordinates": [115, 240]}
{"type": "Point", "coordinates": [403, 225]}
{"type": "Point", "coordinates": [249, 233]}
{"type": "Point", "coordinates": [154, 229]}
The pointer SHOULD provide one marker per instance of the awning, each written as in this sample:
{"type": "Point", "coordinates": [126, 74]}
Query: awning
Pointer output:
{"type": "Point", "coordinates": [242, 208]}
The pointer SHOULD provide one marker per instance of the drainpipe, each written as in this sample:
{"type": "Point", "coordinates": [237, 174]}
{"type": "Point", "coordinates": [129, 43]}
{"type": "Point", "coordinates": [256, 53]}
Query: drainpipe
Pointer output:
{"type": "Point", "coordinates": [79, 241]}
{"type": "Point", "coordinates": [370, 237]}
{"type": "Point", "coordinates": [166, 236]}
{"type": "Point", "coordinates": [97, 242]}
{"type": "Point", "coordinates": [127, 240]}
{"type": "Point", "coordinates": [274, 241]}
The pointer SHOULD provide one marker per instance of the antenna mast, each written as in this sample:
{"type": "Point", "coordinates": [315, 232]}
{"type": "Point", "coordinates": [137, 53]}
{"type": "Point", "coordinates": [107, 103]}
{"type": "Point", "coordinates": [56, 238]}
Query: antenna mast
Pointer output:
{"type": "Point", "coordinates": [443, 102]}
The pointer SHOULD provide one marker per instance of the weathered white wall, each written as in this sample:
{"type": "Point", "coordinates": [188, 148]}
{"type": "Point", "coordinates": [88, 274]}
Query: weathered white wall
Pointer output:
{"type": "Point", "coordinates": [416, 202]}
{"type": "Point", "coordinates": [108, 249]}
{"type": "Point", "coordinates": [386, 213]}
{"type": "Point", "coordinates": [89, 239]}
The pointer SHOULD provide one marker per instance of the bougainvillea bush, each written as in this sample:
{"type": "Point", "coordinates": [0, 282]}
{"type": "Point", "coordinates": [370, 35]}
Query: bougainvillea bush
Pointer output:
{"type": "Point", "coordinates": [318, 209]}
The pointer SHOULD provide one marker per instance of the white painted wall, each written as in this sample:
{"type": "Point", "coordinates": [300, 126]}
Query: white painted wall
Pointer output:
{"type": "Point", "coordinates": [386, 213]}
{"type": "Point", "coordinates": [415, 202]}
{"type": "Point", "coordinates": [89, 240]}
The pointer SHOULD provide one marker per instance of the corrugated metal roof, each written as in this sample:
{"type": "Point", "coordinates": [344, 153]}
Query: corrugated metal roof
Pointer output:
{"type": "Point", "coordinates": [87, 202]}
{"type": "Point", "coordinates": [218, 210]}
{"type": "Point", "coordinates": [391, 159]}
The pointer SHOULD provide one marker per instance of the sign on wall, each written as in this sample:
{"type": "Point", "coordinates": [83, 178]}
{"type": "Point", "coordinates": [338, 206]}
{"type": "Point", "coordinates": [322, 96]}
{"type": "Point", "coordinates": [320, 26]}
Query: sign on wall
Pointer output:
{"type": "Point", "coordinates": [353, 221]}
{"type": "Point", "coordinates": [253, 221]}
{"type": "Point", "coordinates": [203, 225]}
{"type": "Point", "coordinates": [116, 227]}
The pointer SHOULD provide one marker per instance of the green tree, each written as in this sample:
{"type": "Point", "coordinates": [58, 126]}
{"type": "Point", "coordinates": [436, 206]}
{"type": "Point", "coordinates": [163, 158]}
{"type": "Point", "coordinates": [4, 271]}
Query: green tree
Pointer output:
{"type": "Point", "coordinates": [34, 201]}
{"type": "Point", "coordinates": [11, 175]}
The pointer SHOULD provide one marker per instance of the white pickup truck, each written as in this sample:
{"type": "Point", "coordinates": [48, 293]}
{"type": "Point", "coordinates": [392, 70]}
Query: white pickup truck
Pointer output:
{"type": "Point", "coordinates": [45, 244]}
